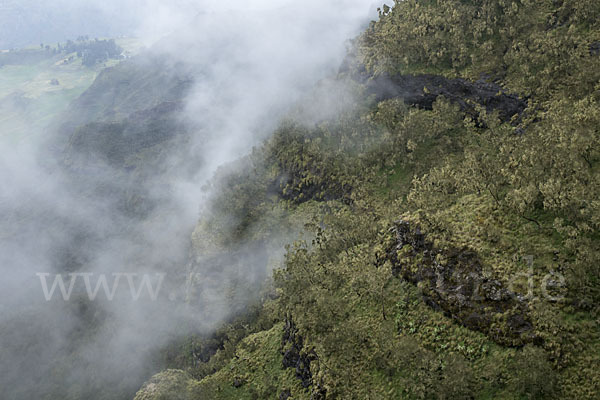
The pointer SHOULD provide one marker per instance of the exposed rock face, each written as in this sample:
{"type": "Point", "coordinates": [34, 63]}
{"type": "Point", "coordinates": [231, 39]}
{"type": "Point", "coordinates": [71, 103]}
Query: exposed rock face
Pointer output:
{"type": "Point", "coordinates": [422, 91]}
{"type": "Point", "coordinates": [458, 287]}
{"type": "Point", "coordinates": [293, 356]}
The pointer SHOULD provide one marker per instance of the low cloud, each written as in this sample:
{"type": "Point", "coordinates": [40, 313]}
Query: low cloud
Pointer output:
{"type": "Point", "coordinates": [250, 61]}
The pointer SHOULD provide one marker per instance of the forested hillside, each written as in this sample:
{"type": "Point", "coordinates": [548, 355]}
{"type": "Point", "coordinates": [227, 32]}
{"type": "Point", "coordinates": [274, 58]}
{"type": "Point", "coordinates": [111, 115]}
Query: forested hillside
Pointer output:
{"type": "Point", "coordinates": [450, 216]}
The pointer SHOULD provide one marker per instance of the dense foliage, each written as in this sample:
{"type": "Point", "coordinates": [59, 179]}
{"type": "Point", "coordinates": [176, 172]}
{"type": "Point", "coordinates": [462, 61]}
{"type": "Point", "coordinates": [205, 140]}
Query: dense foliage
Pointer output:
{"type": "Point", "coordinates": [522, 195]}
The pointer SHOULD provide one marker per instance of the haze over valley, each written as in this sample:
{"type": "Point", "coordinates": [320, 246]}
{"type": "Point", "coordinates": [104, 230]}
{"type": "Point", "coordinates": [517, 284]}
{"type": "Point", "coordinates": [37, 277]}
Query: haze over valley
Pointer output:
{"type": "Point", "coordinates": [299, 200]}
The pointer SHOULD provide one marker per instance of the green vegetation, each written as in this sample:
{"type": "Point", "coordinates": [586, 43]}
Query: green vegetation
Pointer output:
{"type": "Point", "coordinates": [472, 186]}
{"type": "Point", "coordinates": [441, 249]}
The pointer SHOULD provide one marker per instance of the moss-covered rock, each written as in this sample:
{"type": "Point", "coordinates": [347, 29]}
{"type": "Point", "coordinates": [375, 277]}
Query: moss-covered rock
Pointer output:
{"type": "Point", "coordinates": [453, 281]}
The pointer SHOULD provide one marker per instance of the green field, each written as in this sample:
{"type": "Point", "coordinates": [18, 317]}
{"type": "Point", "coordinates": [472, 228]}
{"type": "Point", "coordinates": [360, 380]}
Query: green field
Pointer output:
{"type": "Point", "coordinates": [28, 98]}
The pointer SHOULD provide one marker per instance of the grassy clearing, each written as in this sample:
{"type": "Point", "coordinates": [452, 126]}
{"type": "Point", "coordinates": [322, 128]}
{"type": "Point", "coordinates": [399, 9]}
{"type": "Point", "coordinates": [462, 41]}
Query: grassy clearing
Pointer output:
{"type": "Point", "coordinates": [34, 93]}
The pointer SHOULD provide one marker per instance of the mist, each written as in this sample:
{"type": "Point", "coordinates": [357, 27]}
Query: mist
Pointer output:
{"type": "Point", "coordinates": [26, 23]}
{"type": "Point", "coordinates": [241, 66]}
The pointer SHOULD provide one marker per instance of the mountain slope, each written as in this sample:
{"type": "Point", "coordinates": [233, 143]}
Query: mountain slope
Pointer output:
{"type": "Point", "coordinates": [453, 249]}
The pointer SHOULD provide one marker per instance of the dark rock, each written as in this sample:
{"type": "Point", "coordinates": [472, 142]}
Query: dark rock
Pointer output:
{"type": "Point", "coordinates": [458, 288]}
{"type": "Point", "coordinates": [319, 393]}
{"type": "Point", "coordinates": [422, 91]}
{"type": "Point", "coordinates": [295, 356]}
{"type": "Point", "coordinates": [237, 382]}
{"type": "Point", "coordinates": [298, 191]}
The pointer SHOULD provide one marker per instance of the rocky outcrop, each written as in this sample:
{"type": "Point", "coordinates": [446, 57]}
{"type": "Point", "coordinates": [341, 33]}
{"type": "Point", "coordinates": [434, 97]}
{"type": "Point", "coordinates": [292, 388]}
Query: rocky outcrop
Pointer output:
{"type": "Point", "coordinates": [422, 91]}
{"type": "Point", "coordinates": [293, 354]}
{"type": "Point", "coordinates": [453, 281]}
{"type": "Point", "coordinates": [296, 356]}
